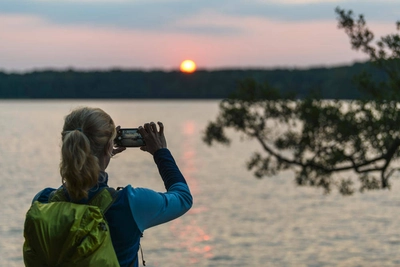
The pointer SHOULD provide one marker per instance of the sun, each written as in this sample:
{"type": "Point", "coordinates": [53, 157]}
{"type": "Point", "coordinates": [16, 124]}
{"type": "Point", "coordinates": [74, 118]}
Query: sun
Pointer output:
{"type": "Point", "coordinates": [188, 66]}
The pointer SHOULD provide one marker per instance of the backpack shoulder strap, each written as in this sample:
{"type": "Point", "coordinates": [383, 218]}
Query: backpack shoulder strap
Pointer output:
{"type": "Point", "coordinates": [57, 195]}
{"type": "Point", "coordinates": [104, 199]}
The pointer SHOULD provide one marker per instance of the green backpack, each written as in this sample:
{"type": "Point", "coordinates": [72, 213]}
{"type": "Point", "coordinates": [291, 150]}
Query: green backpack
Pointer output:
{"type": "Point", "coordinates": [61, 233]}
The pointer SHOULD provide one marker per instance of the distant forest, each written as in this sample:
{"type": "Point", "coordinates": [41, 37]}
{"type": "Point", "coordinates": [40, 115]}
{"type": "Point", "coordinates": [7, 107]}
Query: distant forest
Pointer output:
{"type": "Point", "coordinates": [331, 82]}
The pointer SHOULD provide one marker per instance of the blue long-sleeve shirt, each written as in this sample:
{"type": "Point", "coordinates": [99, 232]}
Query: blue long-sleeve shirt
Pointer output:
{"type": "Point", "coordinates": [137, 209]}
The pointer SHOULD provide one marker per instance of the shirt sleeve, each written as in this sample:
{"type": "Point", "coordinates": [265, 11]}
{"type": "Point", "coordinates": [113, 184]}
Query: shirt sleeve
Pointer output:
{"type": "Point", "coordinates": [150, 208]}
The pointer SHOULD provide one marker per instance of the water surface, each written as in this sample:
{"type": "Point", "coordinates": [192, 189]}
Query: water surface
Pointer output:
{"type": "Point", "coordinates": [236, 220]}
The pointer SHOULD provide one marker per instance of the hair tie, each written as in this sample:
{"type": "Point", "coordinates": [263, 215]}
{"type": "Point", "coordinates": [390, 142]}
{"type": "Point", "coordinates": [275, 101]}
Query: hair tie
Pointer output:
{"type": "Point", "coordinates": [79, 129]}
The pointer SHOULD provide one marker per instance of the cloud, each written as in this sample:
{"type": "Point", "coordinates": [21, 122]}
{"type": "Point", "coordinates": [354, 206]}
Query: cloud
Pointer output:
{"type": "Point", "coordinates": [36, 43]}
{"type": "Point", "coordinates": [158, 34]}
{"type": "Point", "coordinates": [104, 1]}
{"type": "Point", "coordinates": [155, 15]}
{"type": "Point", "coordinates": [301, 2]}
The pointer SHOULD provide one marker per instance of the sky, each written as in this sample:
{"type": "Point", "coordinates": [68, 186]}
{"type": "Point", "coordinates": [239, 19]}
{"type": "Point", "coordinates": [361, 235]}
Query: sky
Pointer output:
{"type": "Point", "coordinates": [160, 34]}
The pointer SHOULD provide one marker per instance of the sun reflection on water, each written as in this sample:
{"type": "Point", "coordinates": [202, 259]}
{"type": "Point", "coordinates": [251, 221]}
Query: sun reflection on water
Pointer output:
{"type": "Point", "coordinates": [193, 237]}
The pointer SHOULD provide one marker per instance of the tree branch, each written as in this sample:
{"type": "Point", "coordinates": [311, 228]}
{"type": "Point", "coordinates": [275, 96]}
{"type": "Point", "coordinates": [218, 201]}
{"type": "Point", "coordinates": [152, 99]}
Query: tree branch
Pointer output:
{"type": "Point", "coordinates": [356, 167]}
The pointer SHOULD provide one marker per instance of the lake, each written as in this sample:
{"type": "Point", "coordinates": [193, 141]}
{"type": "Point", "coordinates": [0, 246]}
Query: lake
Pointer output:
{"type": "Point", "coordinates": [236, 219]}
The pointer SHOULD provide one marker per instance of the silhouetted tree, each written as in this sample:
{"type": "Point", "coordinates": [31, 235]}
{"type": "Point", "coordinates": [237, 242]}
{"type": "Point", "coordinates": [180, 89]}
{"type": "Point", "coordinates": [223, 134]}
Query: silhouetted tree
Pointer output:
{"type": "Point", "coordinates": [328, 143]}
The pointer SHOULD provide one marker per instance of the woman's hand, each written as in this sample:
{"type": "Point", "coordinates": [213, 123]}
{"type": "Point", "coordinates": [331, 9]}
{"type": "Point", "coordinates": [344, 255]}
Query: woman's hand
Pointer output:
{"type": "Point", "coordinates": [153, 138]}
{"type": "Point", "coordinates": [118, 149]}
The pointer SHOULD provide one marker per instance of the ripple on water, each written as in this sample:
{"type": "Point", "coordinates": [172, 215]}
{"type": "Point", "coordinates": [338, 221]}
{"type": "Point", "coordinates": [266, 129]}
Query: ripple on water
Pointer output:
{"type": "Point", "coordinates": [237, 220]}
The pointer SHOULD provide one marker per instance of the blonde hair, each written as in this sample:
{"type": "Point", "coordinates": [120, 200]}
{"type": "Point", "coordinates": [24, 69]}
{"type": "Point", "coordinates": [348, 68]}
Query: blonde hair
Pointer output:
{"type": "Point", "coordinates": [86, 135]}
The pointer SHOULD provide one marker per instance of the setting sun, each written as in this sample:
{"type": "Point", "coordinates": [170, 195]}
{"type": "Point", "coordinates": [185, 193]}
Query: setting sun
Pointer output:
{"type": "Point", "coordinates": [188, 66]}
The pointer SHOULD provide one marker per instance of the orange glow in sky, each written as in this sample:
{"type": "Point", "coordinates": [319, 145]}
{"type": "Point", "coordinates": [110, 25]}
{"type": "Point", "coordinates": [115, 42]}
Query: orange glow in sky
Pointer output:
{"type": "Point", "coordinates": [269, 34]}
{"type": "Point", "coordinates": [188, 66]}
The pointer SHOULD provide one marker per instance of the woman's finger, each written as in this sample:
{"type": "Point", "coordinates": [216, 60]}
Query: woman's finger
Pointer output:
{"type": "Point", "coordinates": [147, 127]}
{"type": "Point", "coordinates": [161, 127]}
{"type": "Point", "coordinates": [153, 127]}
{"type": "Point", "coordinates": [118, 150]}
{"type": "Point", "coordinates": [142, 131]}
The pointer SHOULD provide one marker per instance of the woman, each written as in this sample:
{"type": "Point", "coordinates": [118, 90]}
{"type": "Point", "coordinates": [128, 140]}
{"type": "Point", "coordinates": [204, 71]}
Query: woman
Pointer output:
{"type": "Point", "coordinates": [87, 146]}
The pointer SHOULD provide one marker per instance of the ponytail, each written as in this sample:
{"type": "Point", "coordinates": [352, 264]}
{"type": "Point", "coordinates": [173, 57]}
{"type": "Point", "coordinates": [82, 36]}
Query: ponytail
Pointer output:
{"type": "Point", "coordinates": [79, 168]}
{"type": "Point", "coordinates": [86, 133]}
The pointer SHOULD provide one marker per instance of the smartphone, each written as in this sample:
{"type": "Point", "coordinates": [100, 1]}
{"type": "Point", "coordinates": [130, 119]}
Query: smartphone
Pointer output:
{"type": "Point", "coordinates": [129, 137]}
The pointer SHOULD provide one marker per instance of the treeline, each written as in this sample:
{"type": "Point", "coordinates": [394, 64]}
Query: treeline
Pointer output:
{"type": "Point", "coordinates": [333, 82]}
